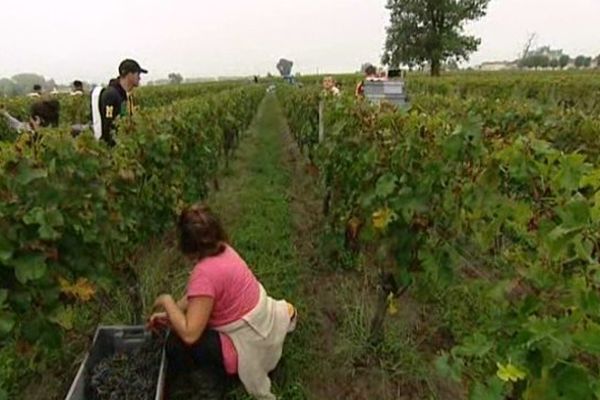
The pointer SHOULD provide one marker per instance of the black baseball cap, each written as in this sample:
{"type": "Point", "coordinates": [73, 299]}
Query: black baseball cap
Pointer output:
{"type": "Point", "coordinates": [130, 66]}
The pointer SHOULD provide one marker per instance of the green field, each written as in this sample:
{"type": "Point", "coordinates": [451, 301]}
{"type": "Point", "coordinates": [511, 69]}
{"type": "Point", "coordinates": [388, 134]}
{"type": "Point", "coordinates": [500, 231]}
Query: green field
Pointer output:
{"type": "Point", "coordinates": [449, 250]}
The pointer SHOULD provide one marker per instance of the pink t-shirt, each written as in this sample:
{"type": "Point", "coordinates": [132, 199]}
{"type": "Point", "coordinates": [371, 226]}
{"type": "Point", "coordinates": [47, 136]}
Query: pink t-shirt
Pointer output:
{"type": "Point", "coordinates": [235, 290]}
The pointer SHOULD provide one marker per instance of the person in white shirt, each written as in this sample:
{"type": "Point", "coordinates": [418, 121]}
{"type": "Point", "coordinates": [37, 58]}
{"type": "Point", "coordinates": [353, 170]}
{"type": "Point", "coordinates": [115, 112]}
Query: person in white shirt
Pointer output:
{"type": "Point", "coordinates": [77, 88]}
{"type": "Point", "coordinates": [14, 123]}
{"type": "Point", "coordinates": [330, 87]}
{"type": "Point", "coordinates": [37, 91]}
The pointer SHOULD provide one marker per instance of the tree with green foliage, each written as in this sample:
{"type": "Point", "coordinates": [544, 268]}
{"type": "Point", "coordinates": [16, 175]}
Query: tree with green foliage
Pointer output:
{"type": "Point", "coordinates": [554, 63]}
{"type": "Point", "coordinates": [535, 61]}
{"type": "Point", "coordinates": [8, 87]}
{"type": "Point", "coordinates": [563, 61]}
{"type": "Point", "coordinates": [25, 82]}
{"type": "Point", "coordinates": [542, 61]}
{"type": "Point", "coordinates": [175, 78]}
{"type": "Point", "coordinates": [583, 62]}
{"type": "Point", "coordinates": [430, 31]}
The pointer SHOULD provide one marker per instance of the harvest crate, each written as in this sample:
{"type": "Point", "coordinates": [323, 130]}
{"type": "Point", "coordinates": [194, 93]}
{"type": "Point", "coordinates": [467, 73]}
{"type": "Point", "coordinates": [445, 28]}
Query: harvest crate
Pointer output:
{"type": "Point", "coordinates": [109, 340]}
{"type": "Point", "coordinates": [392, 91]}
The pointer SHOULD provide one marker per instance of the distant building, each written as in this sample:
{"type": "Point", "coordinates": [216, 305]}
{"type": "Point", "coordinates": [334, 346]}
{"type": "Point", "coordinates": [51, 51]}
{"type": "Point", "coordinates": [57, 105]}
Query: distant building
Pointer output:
{"type": "Point", "coordinates": [497, 66]}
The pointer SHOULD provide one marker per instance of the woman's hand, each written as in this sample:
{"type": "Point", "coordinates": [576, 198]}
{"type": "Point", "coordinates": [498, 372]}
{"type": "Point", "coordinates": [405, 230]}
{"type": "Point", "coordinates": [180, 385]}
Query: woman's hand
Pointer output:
{"type": "Point", "coordinates": [189, 324]}
{"type": "Point", "coordinates": [158, 320]}
{"type": "Point", "coordinates": [35, 122]}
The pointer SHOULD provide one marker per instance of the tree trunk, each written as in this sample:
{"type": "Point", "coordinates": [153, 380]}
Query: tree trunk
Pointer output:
{"type": "Point", "coordinates": [436, 67]}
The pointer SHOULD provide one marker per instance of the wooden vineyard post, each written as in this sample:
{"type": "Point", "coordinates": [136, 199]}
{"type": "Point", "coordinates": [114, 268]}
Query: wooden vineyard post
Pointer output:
{"type": "Point", "coordinates": [321, 122]}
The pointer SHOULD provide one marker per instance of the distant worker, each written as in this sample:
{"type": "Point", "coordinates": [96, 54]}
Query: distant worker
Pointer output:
{"type": "Point", "coordinates": [14, 123]}
{"type": "Point", "coordinates": [45, 113]}
{"type": "Point", "coordinates": [329, 86]}
{"type": "Point", "coordinates": [77, 89]}
{"type": "Point", "coordinates": [79, 109]}
{"type": "Point", "coordinates": [115, 101]}
{"type": "Point", "coordinates": [37, 91]}
{"type": "Point", "coordinates": [338, 85]}
{"type": "Point", "coordinates": [370, 75]}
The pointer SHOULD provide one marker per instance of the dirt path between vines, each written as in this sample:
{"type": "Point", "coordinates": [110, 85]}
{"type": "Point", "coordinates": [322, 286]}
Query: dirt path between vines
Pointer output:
{"type": "Point", "coordinates": [342, 366]}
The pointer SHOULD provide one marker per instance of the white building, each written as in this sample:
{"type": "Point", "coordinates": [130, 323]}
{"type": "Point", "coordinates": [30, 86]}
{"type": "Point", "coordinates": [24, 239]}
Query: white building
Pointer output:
{"type": "Point", "coordinates": [497, 66]}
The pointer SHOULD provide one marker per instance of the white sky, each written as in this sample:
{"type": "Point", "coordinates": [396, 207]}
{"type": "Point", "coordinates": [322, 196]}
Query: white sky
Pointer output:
{"type": "Point", "coordinates": [67, 39]}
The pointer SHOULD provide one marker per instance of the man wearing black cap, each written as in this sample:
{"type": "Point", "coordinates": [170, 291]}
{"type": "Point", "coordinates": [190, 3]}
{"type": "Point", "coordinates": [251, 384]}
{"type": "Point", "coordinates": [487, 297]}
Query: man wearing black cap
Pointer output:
{"type": "Point", "coordinates": [115, 101]}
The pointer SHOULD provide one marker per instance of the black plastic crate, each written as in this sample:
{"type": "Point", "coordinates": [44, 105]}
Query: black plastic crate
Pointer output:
{"type": "Point", "coordinates": [109, 340]}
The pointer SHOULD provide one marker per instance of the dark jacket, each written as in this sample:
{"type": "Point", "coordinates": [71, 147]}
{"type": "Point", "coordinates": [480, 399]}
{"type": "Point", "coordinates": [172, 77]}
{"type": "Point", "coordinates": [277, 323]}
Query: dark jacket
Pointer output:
{"type": "Point", "coordinates": [114, 103]}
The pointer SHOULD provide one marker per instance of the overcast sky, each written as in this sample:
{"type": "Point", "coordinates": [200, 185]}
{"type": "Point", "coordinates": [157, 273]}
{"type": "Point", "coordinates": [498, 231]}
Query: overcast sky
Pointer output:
{"type": "Point", "coordinates": [67, 39]}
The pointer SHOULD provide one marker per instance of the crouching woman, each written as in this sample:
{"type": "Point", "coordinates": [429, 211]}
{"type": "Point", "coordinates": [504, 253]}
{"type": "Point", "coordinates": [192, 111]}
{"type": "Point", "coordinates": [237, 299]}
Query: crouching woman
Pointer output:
{"type": "Point", "coordinates": [226, 322]}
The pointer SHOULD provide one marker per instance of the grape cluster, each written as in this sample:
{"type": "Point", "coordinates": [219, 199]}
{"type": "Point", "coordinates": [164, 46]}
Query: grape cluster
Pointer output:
{"type": "Point", "coordinates": [127, 376]}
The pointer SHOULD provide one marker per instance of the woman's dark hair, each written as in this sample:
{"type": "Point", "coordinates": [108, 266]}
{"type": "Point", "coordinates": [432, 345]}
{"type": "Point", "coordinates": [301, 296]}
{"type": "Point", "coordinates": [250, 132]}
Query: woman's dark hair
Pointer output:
{"type": "Point", "coordinates": [201, 234]}
{"type": "Point", "coordinates": [48, 111]}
